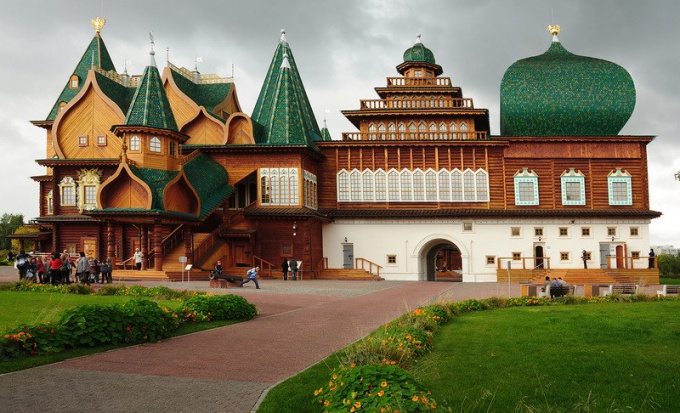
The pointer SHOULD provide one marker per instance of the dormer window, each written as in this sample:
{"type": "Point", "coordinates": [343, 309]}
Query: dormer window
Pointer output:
{"type": "Point", "coordinates": [155, 145]}
{"type": "Point", "coordinates": [135, 143]}
{"type": "Point", "coordinates": [418, 73]}
{"type": "Point", "coordinates": [62, 105]}
{"type": "Point", "coordinates": [74, 82]}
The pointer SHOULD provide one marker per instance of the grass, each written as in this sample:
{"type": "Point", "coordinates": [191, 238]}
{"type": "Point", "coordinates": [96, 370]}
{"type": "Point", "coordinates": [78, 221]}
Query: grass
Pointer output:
{"type": "Point", "coordinates": [670, 281]}
{"type": "Point", "coordinates": [611, 357]}
{"type": "Point", "coordinates": [31, 308]}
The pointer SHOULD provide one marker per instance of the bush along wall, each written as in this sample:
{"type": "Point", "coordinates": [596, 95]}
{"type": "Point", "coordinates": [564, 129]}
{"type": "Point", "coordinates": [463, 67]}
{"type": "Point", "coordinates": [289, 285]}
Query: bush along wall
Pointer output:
{"type": "Point", "coordinates": [373, 373]}
{"type": "Point", "coordinates": [137, 321]}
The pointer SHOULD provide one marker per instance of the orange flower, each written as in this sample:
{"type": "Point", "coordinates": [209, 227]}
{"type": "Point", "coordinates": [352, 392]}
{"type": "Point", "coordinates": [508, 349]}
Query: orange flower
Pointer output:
{"type": "Point", "coordinates": [415, 398]}
{"type": "Point", "coordinates": [383, 384]}
{"type": "Point", "coordinates": [380, 393]}
{"type": "Point", "coordinates": [357, 404]}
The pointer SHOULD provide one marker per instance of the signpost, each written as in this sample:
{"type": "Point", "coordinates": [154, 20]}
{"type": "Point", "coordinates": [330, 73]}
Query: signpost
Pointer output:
{"type": "Point", "coordinates": [182, 260]}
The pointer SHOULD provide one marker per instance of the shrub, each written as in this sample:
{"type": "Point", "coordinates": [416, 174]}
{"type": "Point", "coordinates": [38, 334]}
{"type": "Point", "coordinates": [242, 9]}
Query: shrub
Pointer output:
{"type": "Point", "coordinates": [25, 286]}
{"type": "Point", "coordinates": [392, 344]}
{"type": "Point", "coordinates": [222, 307]}
{"type": "Point", "coordinates": [30, 340]}
{"type": "Point", "coordinates": [373, 388]}
{"type": "Point", "coordinates": [160, 292]}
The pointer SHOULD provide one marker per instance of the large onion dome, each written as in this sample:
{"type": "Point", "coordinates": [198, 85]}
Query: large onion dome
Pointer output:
{"type": "Point", "coordinates": [559, 93]}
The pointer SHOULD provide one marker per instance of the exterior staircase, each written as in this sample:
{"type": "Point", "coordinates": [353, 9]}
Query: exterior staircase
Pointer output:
{"type": "Point", "coordinates": [346, 274]}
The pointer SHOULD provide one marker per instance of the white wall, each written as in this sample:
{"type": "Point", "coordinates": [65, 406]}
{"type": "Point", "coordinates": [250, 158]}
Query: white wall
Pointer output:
{"type": "Point", "coordinates": [410, 240]}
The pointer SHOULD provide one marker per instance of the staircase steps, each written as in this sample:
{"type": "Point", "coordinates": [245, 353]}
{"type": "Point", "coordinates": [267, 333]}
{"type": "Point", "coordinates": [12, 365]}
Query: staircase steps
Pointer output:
{"type": "Point", "coordinates": [346, 274]}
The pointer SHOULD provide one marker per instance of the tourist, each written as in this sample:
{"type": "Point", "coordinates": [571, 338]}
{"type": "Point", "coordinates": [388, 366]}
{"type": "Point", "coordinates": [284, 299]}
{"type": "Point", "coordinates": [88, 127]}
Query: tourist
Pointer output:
{"type": "Point", "coordinates": [651, 258]}
{"type": "Point", "coordinates": [21, 263]}
{"type": "Point", "coordinates": [40, 269]}
{"type": "Point", "coordinates": [562, 283]}
{"type": "Point", "coordinates": [219, 269]}
{"type": "Point", "coordinates": [284, 269]}
{"type": "Point", "coordinates": [584, 257]}
{"type": "Point", "coordinates": [55, 269]}
{"type": "Point", "coordinates": [251, 275]}
{"type": "Point", "coordinates": [31, 267]}
{"type": "Point", "coordinates": [83, 269]}
{"type": "Point", "coordinates": [106, 269]}
{"type": "Point", "coordinates": [546, 284]}
{"type": "Point", "coordinates": [138, 259]}
{"type": "Point", "coordinates": [293, 265]}
{"type": "Point", "coordinates": [94, 270]}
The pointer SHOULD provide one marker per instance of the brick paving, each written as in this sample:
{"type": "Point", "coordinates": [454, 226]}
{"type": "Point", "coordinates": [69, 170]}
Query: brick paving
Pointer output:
{"type": "Point", "coordinates": [228, 369]}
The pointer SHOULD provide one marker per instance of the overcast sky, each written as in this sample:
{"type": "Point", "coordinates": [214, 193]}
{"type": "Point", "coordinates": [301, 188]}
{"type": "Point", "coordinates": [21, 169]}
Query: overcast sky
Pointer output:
{"type": "Point", "coordinates": [343, 50]}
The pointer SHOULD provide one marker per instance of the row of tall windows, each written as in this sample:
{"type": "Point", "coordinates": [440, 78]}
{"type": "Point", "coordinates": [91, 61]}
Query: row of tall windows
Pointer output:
{"type": "Point", "coordinates": [413, 186]}
{"type": "Point", "coordinates": [393, 131]}
{"type": "Point", "coordinates": [309, 190]}
{"type": "Point", "coordinates": [279, 186]}
{"type": "Point", "coordinates": [573, 188]}
{"type": "Point", "coordinates": [81, 193]}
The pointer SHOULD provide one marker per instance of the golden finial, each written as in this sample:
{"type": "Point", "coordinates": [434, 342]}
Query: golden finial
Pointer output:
{"type": "Point", "coordinates": [554, 30]}
{"type": "Point", "coordinates": [98, 24]}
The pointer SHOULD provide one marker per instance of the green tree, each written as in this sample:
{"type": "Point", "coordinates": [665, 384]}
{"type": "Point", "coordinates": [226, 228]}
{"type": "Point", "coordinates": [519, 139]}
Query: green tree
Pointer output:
{"type": "Point", "coordinates": [669, 265]}
{"type": "Point", "coordinates": [8, 225]}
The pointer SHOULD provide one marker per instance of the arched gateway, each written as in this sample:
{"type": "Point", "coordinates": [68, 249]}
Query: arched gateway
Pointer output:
{"type": "Point", "coordinates": [440, 259]}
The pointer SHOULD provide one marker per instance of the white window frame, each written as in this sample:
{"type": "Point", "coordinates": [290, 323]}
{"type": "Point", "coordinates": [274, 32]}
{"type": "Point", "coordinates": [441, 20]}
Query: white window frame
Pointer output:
{"type": "Point", "coordinates": [571, 177]}
{"type": "Point", "coordinates": [523, 178]}
{"type": "Point", "coordinates": [615, 178]}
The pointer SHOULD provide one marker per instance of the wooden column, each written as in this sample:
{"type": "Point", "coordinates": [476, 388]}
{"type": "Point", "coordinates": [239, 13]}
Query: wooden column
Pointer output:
{"type": "Point", "coordinates": [145, 250]}
{"type": "Point", "coordinates": [110, 243]}
{"type": "Point", "coordinates": [157, 248]}
{"type": "Point", "coordinates": [188, 235]}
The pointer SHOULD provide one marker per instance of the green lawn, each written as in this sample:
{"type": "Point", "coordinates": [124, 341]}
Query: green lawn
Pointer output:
{"type": "Point", "coordinates": [31, 308]}
{"type": "Point", "coordinates": [588, 358]}
{"type": "Point", "coordinates": [671, 281]}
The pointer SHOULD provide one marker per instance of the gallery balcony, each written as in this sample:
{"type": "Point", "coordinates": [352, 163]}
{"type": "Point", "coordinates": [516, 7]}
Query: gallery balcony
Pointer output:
{"type": "Point", "coordinates": [419, 81]}
{"type": "Point", "coordinates": [380, 104]}
{"type": "Point", "coordinates": [414, 136]}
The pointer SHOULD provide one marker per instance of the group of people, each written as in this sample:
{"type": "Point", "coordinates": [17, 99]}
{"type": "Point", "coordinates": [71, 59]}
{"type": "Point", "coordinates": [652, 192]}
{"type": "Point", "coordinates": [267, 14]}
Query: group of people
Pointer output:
{"type": "Point", "coordinates": [58, 269]}
{"type": "Point", "coordinates": [549, 285]}
{"type": "Point", "coordinates": [289, 266]}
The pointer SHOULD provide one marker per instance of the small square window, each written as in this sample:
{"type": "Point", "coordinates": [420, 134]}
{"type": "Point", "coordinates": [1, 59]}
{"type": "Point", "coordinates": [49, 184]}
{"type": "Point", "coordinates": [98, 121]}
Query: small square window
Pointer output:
{"type": "Point", "coordinates": [82, 140]}
{"type": "Point", "coordinates": [538, 232]}
{"type": "Point", "coordinates": [515, 232]}
{"type": "Point", "coordinates": [467, 226]}
{"type": "Point", "coordinates": [286, 250]}
{"type": "Point", "coordinates": [564, 256]}
{"type": "Point", "coordinates": [516, 256]}
{"type": "Point", "coordinates": [490, 259]}
{"type": "Point", "coordinates": [585, 231]}
{"type": "Point", "coordinates": [634, 231]}
{"type": "Point", "coordinates": [101, 140]}
{"type": "Point", "coordinates": [564, 232]}
{"type": "Point", "coordinates": [611, 231]}
{"type": "Point", "coordinates": [635, 255]}
{"type": "Point", "coordinates": [391, 259]}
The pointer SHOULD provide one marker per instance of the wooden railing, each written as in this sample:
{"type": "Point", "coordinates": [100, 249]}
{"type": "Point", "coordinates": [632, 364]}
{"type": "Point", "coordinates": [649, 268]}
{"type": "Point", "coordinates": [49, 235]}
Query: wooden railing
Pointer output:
{"type": "Point", "coordinates": [629, 262]}
{"type": "Point", "coordinates": [265, 266]}
{"type": "Point", "coordinates": [322, 265]}
{"type": "Point", "coordinates": [431, 103]}
{"type": "Point", "coordinates": [363, 262]}
{"type": "Point", "coordinates": [415, 136]}
{"type": "Point", "coordinates": [533, 266]}
{"type": "Point", "coordinates": [205, 246]}
{"type": "Point", "coordinates": [418, 81]}
{"type": "Point", "coordinates": [174, 238]}
{"type": "Point", "coordinates": [184, 159]}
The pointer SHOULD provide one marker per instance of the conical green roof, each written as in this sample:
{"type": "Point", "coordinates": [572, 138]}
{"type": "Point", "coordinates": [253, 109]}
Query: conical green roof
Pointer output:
{"type": "Point", "coordinates": [419, 53]}
{"type": "Point", "coordinates": [150, 106]}
{"type": "Point", "coordinates": [559, 93]}
{"type": "Point", "coordinates": [325, 133]}
{"type": "Point", "coordinates": [282, 114]}
{"type": "Point", "coordinates": [97, 55]}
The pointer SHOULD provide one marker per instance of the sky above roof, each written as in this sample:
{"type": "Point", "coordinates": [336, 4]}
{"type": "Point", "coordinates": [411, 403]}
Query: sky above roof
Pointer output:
{"type": "Point", "coordinates": [343, 50]}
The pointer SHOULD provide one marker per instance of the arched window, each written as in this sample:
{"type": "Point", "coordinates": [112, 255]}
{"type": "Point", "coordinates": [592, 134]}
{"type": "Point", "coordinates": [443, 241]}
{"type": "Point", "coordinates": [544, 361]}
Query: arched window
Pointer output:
{"type": "Point", "coordinates": [380, 186]}
{"type": "Point", "coordinates": [433, 131]}
{"type": "Point", "coordinates": [367, 183]}
{"type": "Point", "coordinates": [274, 181]}
{"type": "Point", "coordinates": [135, 143]}
{"type": "Point", "coordinates": [482, 185]}
{"type": "Point", "coordinates": [393, 185]}
{"type": "Point", "coordinates": [355, 185]}
{"type": "Point", "coordinates": [402, 131]}
{"type": "Point", "coordinates": [391, 130]}
{"type": "Point", "coordinates": [74, 82]}
{"type": "Point", "coordinates": [155, 145]}
{"type": "Point", "coordinates": [406, 186]}
{"type": "Point", "coordinates": [422, 129]}
{"type": "Point", "coordinates": [343, 186]}
{"type": "Point", "coordinates": [444, 185]}
{"type": "Point", "coordinates": [381, 131]}
{"type": "Point", "coordinates": [293, 182]}
{"type": "Point", "coordinates": [456, 186]}
{"type": "Point", "coordinates": [284, 192]}
{"type": "Point", "coordinates": [50, 203]}
{"type": "Point", "coordinates": [469, 185]}
{"type": "Point", "coordinates": [430, 185]}
{"type": "Point", "coordinates": [442, 131]}
{"type": "Point", "coordinates": [371, 131]}
{"type": "Point", "coordinates": [418, 185]}
{"type": "Point", "coordinates": [463, 130]}
{"type": "Point", "coordinates": [62, 105]}
{"type": "Point", "coordinates": [453, 130]}
{"type": "Point", "coordinates": [265, 187]}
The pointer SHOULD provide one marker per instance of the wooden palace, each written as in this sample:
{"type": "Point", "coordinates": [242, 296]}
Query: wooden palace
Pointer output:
{"type": "Point", "coordinates": [168, 163]}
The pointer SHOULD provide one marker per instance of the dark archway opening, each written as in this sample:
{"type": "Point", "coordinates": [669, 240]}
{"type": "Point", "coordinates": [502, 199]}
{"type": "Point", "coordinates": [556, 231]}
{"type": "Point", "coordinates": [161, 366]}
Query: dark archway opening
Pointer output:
{"type": "Point", "coordinates": [444, 263]}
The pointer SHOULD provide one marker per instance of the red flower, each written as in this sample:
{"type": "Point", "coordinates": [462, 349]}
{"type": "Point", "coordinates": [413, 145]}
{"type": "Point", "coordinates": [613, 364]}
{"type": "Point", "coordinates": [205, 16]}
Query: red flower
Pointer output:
{"type": "Point", "coordinates": [128, 328]}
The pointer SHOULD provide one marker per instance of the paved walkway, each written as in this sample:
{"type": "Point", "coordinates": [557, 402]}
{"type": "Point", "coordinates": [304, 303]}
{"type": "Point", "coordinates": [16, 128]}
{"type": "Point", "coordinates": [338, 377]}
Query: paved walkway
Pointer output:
{"type": "Point", "coordinates": [228, 369]}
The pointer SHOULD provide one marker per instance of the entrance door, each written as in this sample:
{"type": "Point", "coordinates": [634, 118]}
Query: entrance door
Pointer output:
{"type": "Point", "coordinates": [604, 253]}
{"type": "Point", "coordinates": [89, 247]}
{"type": "Point", "coordinates": [347, 255]}
{"type": "Point", "coordinates": [240, 255]}
{"type": "Point", "coordinates": [619, 256]}
{"type": "Point", "coordinates": [538, 253]}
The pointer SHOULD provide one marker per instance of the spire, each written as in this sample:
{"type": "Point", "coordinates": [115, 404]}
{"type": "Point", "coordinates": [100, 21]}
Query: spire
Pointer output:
{"type": "Point", "coordinates": [282, 113]}
{"type": "Point", "coordinates": [325, 133]}
{"type": "Point", "coordinates": [152, 53]}
{"type": "Point", "coordinates": [96, 55]}
{"type": "Point", "coordinates": [418, 38]}
{"type": "Point", "coordinates": [150, 106]}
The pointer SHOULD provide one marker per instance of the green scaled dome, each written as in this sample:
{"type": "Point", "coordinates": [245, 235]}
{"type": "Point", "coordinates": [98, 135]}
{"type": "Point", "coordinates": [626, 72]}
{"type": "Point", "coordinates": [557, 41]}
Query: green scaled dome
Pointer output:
{"type": "Point", "coordinates": [559, 93]}
{"type": "Point", "coordinates": [419, 53]}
